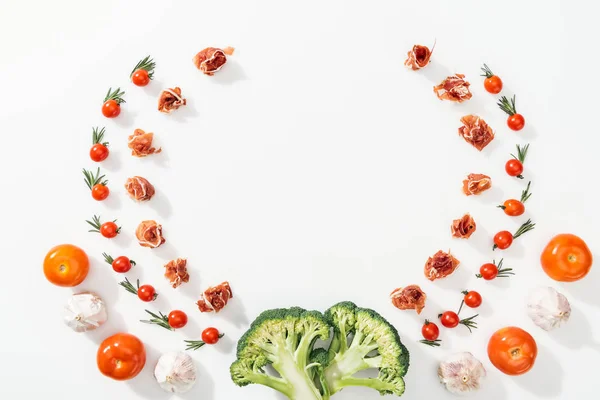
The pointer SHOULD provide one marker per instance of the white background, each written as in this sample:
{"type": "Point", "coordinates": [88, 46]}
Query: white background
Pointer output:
{"type": "Point", "coordinates": [314, 168]}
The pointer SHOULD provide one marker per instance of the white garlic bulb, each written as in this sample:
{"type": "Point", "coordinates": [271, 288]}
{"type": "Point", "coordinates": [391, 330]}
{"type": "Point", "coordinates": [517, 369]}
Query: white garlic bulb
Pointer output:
{"type": "Point", "coordinates": [84, 312]}
{"type": "Point", "coordinates": [547, 308]}
{"type": "Point", "coordinates": [175, 372]}
{"type": "Point", "coordinates": [461, 373]}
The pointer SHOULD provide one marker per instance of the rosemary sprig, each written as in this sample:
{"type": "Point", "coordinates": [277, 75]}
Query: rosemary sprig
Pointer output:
{"type": "Point", "coordinates": [525, 195]}
{"type": "Point", "coordinates": [508, 106]}
{"type": "Point", "coordinates": [129, 287]}
{"type": "Point", "coordinates": [521, 153]}
{"type": "Point", "coordinates": [95, 223]}
{"type": "Point", "coordinates": [196, 344]}
{"type": "Point", "coordinates": [146, 64]}
{"type": "Point", "coordinates": [469, 323]}
{"type": "Point", "coordinates": [98, 136]}
{"type": "Point", "coordinates": [108, 259]}
{"type": "Point", "coordinates": [486, 71]}
{"type": "Point", "coordinates": [161, 320]}
{"type": "Point", "coordinates": [432, 343]}
{"type": "Point", "coordinates": [92, 180]}
{"type": "Point", "coordinates": [115, 95]}
{"type": "Point", "coordinates": [526, 227]}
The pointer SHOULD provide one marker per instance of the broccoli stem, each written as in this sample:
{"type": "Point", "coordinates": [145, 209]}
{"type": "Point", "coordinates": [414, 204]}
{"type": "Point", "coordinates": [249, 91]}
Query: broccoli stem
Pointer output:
{"type": "Point", "coordinates": [372, 383]}
{"type": "Point", "coordinates": [299, 383]}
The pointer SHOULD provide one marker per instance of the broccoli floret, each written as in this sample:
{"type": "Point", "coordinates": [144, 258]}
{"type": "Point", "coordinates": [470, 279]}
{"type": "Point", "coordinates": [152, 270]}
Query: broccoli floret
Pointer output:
{"type": "Point", "coordinates": [363, 339]}
{"type": "Point", "coordinates": [283, 339]}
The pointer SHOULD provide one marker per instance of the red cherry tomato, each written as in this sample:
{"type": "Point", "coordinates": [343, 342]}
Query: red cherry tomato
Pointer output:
{"type": "Point", "coordinates": [111, 109]}
{"type": "Point", "coordinates": [100, 192]}
{"type": "Point", "coordinates": [514, 167]}
{"type": "Point", "coordinates": [109, 229]}
{"type": "Point", "coordinates": [210, 336]}
{"type": "Point", "coordinates": [513, 208]}
{"type": "Point", "coordinates": [140, 77]}
{"type": "Point", "coordinates": [146, 293]}
{"type": "Point", "coordinates": [493, 84]}
{"type": "Point", "coordinates": [516, 122]}
{"type": "Point", "coordinates": [430, 331]}
{"type": "Point", "coordinates": [449, 319]}
{"type": "Point", "coordinates": [122, 264]}
{"type": "Point", "coordinates": [503, 240]}
{"type": "Point", "coordinates": [488, 271]}
{"type": "Point", "coordinates": [177, 319]}
{"type": "Point", "coordinates": [98, 152]}
{"type": "Point", "coordinates": [472, 298]}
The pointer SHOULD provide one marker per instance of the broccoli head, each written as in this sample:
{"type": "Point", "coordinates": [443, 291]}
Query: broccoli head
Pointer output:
{"type": "Point", "coordinates": [283, 339]}
{"type": "Point", "coordinates": [363, 339]}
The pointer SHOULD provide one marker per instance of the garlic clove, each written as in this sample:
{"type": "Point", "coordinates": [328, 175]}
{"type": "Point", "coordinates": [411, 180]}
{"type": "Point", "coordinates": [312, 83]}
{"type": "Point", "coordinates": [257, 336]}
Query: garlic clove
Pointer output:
{"type": "Point", "coordinates": [84, 312]}
{"type": "Point", "coordinates": [548, 308]}
{"type": "Point", "coordinates": [175, 372]}
{"type": "Point", "coordinates": [461, 373]}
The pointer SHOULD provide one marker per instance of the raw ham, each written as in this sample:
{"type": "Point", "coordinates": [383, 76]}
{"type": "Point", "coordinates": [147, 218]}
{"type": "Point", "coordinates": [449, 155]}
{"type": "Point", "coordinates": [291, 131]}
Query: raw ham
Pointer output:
{"type": "Point", "coordinates": [215, 298]}
{"type": "Point", "coordinates": [409, 298]}
{"type": "Point", "coordinates": [149, 234]}
{"type": "Point", "coordinates": [440, 265]}
{"type": "Point", "coordinates": [476, 131]}
{"type": "Point", "coordinates": [139, 188]}
{"type": "Point", "coordinates": [212, 59]}
{"type": "Point", "coordinates": [476, 183]}
{"type": "Point", "coordinates": [418, 57]}
{"type": "Point", "coordinates": [170, 99]}
{"type": "Point", "coordinates": [176, 272]}
{"type": "Point", "coordinates": [140, 143]}
{"type": "Point", "coordinates": [464, 227]}
{"type": "Point", "coordinates": [453, 88]}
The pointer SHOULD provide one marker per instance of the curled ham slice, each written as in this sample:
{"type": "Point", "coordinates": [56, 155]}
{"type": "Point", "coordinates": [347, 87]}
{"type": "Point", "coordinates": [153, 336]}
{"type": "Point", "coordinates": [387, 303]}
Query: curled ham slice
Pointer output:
{"type": "Point", "coordinates": [476, 183]}
{"type": "Point", "coordinates": [176, 272]}
{"type": "Point", "coordinates": [139, 188]}
{"type": "Point", "coordinates": [464, 227]}
{"type": "Point", "coordinates": [140, 143]}
{"type": "Point", "coordinates": [418, 57]}
{"type": "Point", "coordinates": [212, 59]}
{"type": "Point", "coordinates": [170, 99]}
{"type": "Point", "coordinates": [440, 265]}
{"type": "Point", "coordinates": [149, 234]}
{"type": "Point", "coordinates": [453, 88]}
{"type": "Point", "coordinates": [409, 298]}
{"type": "Point", "coordinates": [476, 131]}
{"type": "Point", "coordinates": [215, 298]}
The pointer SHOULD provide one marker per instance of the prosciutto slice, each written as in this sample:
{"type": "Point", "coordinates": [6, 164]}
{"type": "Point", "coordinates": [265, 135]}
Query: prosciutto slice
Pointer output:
{"type": "Point", "coordinates": [464, 227]}
{"type": "Point", "coordinates": [476, 131]}
{"type": "Point", "coordinates": [418, 57]}
{"type": "Point", "coordinates": [215, 298]}
{"type": "Point", "coordinates": [170, 99]}
{"type": "Point", "coordinates": [176, 272]}
{"type": "Point", "coordinates": [140, 143]}
{"type": "Point", "coordinates": [139, 188]}
{"type": "Point", "coordinates": [476, 183]}
{"type": "Point", "coordinates": [440, 265]}
{"type": "Point", "coordinates": [149, 234]}
{"type": "Point", "coordinates": [212, 59]}
{"type": "Point", "coordinates": [453, 88]}
{"type": "Point", "coordinates": [410, 297]}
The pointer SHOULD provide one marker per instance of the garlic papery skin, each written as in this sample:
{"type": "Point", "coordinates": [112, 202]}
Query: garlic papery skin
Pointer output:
{"type": "Point", "coordinates": [175, 372]}
{"type": "Point", "coordinates": [461, 373]}
{"type": "Point", "coordinates": [84, 312]}
{"type": "Point", "coordinates": [547, 308]}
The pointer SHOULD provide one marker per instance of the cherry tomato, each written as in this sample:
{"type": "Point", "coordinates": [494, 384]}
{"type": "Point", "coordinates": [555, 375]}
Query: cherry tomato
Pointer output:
{"type": "Point", "coordinates": [516, 122]}
{"type": "Point", "coordinates": [146, 293]}
{"type": "Point", "coordinates": [66, 265]}
{"type": "Point", "coordinates": [450, 319]}
{"type": "Point", "coordinates": [514, 167]}
{"type": "Point", "coordinates": [472, 299]}
{"type": "Point", "coordinates": [121, 356]}
{"type": "Point", "coordinates": [430, 331]}
{"type": "Point", "coordinates": [111, 109]}
{"type": "Point", "coordinates": [100, 192]}
{"type": "Point", "coordinates": [493, 84]}
{"type": "Point", "coordinates": [98, 152]}
{"type": "Point", "coordinates": [140, 77]}
{"type": "Point", "coordinates": [210, 336]}
{"type": "Point", "coordinates": [109, 229]}
{"type": "Point", "coordinates": [122, 264]}
{"type": "Point", "coordinates": [488, 271]}
{"type": "Point", "coordinates": [177, 319]}
{"type": "Point", "coordinates": [566, 258]}
{"type": "Point", "coordinates": [512, 350]}
{"type": "Point", "coordinates": [513, 208]}
{"type": "Point", "coordinates": [503, 240]}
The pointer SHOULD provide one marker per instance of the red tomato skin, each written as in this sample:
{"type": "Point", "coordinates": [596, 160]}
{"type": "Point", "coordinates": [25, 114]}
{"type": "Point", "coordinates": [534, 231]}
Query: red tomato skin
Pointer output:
{"type": "Point", "coordinates": [99, 152]}
{"type": "Point", "coordinates": [488, 271]}
{"type": "Point", "coordinates": [514, 167]}
{"type": "Point", "coordinates": [111, 109]}
{"type": "Point", "coordinates": [493, 84]}
{"type": "Point", "coordinates": [146, 293]}
{"type": "Point", "coordinates": [430, 331]}
{"type": "Point", "coordinates": [121, 357]}
{"type": "Point", "coordinates": [121, 264]}
{"type": "Point", "coordinates": [566, 258]}
{"type": "Point", "coordinates": [100, 192]}
{"type": "Point", "coordinates": [109, 230]}
{"type": "Point", "coordinates": [140, 77]}
{"type": "Point", "coordinates": [450, 319]}
{"type": "Point", "coordinates": [516, 122]}
{"type": "Point", "coordinates": [512, 350]}
{"type": "Point", "coordinates": [513, 208]}
{"type": "Point", "coordinates": [503, 240]}
{"type": "Point", "coordinates": [177, 319]}
{"type": "Point", "coordinates": [473, 299]}
{"type": "Point", "coordinates": [210, 336]}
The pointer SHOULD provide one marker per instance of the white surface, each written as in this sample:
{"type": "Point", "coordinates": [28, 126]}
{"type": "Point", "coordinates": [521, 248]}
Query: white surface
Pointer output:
{"type": "Point", "coordinates": [314, 168]}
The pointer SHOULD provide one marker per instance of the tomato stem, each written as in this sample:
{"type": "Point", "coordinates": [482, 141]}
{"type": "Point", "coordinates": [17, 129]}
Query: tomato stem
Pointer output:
{"type": "Point", "coordinates": [461, 306]}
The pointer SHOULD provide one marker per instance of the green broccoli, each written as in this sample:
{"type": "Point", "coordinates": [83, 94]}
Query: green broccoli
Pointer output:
{"type": "Point", "coordinates": [284, 339]}
{"type": "Point", "coordinates": [363, 339]}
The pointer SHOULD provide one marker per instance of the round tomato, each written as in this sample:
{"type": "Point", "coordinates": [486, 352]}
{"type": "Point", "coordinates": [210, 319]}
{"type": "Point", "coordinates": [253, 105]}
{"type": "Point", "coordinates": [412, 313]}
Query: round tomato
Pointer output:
{"type": "Point", "coordinates": [503, 240]}
{"type": "Point", "coordinates": [450, 319]}
{"type": "Point", "coordinates": [177, 319]}
{"type": "Point", "coordinates": [488, 271]}
{"type": "Point", "coordinates": [513, 207]}
{"type": "Point", "coordinates": [472, 299]}
{"type": "Point", "coordinates": [140, 77]}
{"type": "Point", "coordinates": [121, 356]}
{"type": "Point", "coordinates": [516, 122]}
{"type": "Point", "coordinates": [566, 258]}
{"type": "Point", "coordinates": [98, 152]}
{"type": "Point", "coordinates": [109, 229]}
{"type": "Point", "coordinates": [100, 192]}
{"type": "Point", "coordinates": [122, 264]}
{"type": "Point", "coordinates": [430, 331]}
{"type": "Point", "coordinates": [514, 167]}
{"type": "Point", "coordinates": [147, 293]}
{"type": "Point", "coordinates": [211, 335]}
{"type": "Point", "coordinates": [111, 109]}
{"type": "Point", "coordinates": [66, 265]}
{"type": "Point", "coordinates": [493, 84]}
{"type": "Point", "coordinates": [512, 350]}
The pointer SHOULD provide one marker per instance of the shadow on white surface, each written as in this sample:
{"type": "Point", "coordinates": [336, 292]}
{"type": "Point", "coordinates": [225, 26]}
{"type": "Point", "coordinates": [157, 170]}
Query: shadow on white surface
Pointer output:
{"type": "Point", "coordinates": [166, 251]}
{"type": "Point", "coordinates": [235, 312]}
{"type": "Point", "coordinates": [154, 89]}
{"type": "Point", "coordinates": [193, 288]}
{"type": "Point", "coordinates": [161, 159]}
{"type": "Point", "coordinates": [226, 345]}
{"type": "Point", "coordinates": [161, 204]}
{"type": "Point", "coordinates": [586, 289]}
{"type": "Point", "coordinates": [113, 162]}
{"type": "Point", "coordinates": [576, 333]}
{"type": "Point", "coordinates": [184, 113]}
{"type": "Point", "coordinates": [230, 73]}
{"type": "Point", "coordinates": [545, 378]}
{"type": "Point", "coordinates": [204, 389]}
{"type": "Point", "coordinates": [435, 71]}
{"type": "Point", "coordinates": [494, 195]}
{"type": "Point", "coordinates": [481, 241]}
{"type": "Point", "coordinates": [113, 201]}
{"type": "Point", "coordinates": [145, 384]}
{"type": "Point", "coordinates": [127, 117]}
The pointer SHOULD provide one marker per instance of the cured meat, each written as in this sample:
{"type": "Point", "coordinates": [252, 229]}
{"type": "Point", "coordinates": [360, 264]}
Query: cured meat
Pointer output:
{"type": "Point", "coordinates": [212, 59]}
{"type": "Point", "coordinates": [215, 298]}
{"type": "Point", "coordinates": [476, 183]}
{"type": "Point", "coordinates": [464, 227]}
{"type": "Point", "coordinates": [418, 57]}
{"type": "Point", "coordinates": [149, 234]}
{"type": "Point", "coordinates": [409, 298]}
{"type": "Point", "coordinates": [476, 131]}
{"type": "Point", "coordinates": [176, 272]}
{"type": "Point", "coordinates": [139, 188]}
{"type": "Point", "coordinates": [170, 99]}
{"type": "Point", "coordinates": [453, 88]}
{"type": "Point", "coordinates": [440, 265]}
{"type": "Point", "coordinates": [140, 143]}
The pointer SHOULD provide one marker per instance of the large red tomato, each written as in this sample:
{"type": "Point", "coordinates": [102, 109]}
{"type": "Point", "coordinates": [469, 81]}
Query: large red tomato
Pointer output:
{"type": "Point", "coordinates": [566, 258]}
{"type": "Point", "coordinates": [66, 265]}
{"type": "Point", "coordinates": [512, 350]}
{"type": "Point", "coordinates": [121, 356]}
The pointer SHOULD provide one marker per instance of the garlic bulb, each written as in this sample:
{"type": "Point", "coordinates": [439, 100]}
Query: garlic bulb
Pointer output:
{"type": "Point", "coordinates": [84, 312]}
{"type": "Point", "coordinates": [175, 372]}
{"type": "Point", "coordinates": [461, 373]}
{"type": "Point", "coordinates": [547, 308]}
